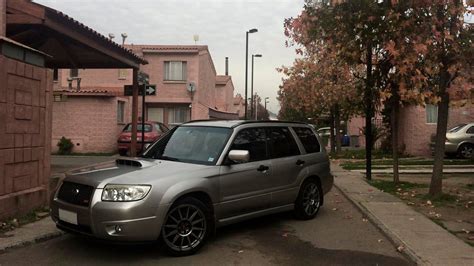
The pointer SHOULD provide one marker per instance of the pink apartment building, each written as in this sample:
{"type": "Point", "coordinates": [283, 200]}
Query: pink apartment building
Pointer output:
{"type": "Point", "coordinates": [94, 115]}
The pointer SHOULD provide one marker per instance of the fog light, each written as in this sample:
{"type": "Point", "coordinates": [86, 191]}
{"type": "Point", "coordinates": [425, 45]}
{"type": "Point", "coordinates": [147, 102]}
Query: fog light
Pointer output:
{"type": "Point", "coordinates": [118, 229]}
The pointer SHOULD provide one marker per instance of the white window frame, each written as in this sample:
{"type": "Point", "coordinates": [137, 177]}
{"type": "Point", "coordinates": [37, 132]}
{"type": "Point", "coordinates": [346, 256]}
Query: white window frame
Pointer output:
{"type": "Point", "coordinates": [174, 115]}
{"type": "Point", "coordinates": [120, 112]}
{"type": "Point", "coordinates": [431, 112]}
{"type": "Point", "coordinates": [175, 71]}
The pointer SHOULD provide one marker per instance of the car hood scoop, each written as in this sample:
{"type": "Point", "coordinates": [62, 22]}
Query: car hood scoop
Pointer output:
{"type": "Point", "coordinates": [129, 162]}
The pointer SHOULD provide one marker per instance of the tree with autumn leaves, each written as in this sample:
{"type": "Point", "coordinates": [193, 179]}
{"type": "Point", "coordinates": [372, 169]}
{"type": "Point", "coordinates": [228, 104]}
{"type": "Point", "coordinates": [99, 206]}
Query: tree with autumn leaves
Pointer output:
{"type": "Point", "coordinates": [401, 52]}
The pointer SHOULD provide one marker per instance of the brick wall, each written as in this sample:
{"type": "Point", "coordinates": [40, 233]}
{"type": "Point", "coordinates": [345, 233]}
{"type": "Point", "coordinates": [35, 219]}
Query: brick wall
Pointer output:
{"type": "Point", "coordinates": [25, 131]}
{"type": "Point", "coordinates": [3, 17]}
{"type": "Point", "coordinates": [89, 121]}
{"type": "Point", "coordinates": [415, 133]}
{"type": "Point", "coordinates": [225, 97]}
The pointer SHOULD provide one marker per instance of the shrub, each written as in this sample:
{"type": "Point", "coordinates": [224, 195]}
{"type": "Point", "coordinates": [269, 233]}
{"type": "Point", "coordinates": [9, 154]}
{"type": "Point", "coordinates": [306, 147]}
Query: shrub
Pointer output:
{"type": "Point", "coordinates": [65, 146]}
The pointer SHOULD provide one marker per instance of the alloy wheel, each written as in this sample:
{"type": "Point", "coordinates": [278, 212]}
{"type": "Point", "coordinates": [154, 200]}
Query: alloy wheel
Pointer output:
{"type": "Point", "coordinates": [467, 151]}
{"type": "Point", "coordinates": [311, 199]}
{"type": "Point", "coordinates": [185, 228]}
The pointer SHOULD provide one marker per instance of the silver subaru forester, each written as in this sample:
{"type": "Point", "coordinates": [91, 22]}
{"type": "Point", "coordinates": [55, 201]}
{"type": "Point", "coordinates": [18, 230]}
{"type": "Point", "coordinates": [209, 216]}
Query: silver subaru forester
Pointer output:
{"type": "Point", "coordinates": [197, 177]}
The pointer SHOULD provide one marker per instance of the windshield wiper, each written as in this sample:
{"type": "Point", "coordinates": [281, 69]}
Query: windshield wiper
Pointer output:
{"type": "Point", "coordinates": [168, 158]}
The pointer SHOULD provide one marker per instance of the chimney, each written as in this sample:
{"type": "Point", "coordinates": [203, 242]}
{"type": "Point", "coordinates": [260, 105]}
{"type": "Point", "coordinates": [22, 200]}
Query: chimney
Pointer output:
{"type": "Point", "coordinates": [227, 66]}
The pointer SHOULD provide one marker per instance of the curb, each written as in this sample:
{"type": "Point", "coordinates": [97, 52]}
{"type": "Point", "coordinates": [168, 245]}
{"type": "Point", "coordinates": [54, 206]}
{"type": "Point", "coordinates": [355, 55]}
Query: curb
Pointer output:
{"type": "Point", "coordinates": [38, 239]}
{"type": "Point", "coordinates": [382, 228]}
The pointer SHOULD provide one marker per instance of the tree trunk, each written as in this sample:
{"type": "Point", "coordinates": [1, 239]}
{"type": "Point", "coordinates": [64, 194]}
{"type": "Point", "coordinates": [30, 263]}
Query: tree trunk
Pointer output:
{"type": "Point", "coordinates": [337, 126]}
{"type": "Point", "coordinates": [368, 99]}
{"type": "Point", "coordinates": [331, 135]}
{"type": "Point", "coordinates": [394, 129]}
{"type": "Point", "coordinates": [441, 128]}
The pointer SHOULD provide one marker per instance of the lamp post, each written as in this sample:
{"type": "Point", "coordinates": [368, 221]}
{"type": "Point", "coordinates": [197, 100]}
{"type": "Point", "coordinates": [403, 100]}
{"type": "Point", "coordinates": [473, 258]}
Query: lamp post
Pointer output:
{"type": "Point", "coordinates": [251, 85]}
{"type": "Point", "coordinates": [247, 65]}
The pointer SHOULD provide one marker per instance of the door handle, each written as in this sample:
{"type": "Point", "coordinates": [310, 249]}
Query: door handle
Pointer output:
{"type": "Point", "coordinates": [263, 168]}
{"type": "Point", "coordinates": [300, 162]}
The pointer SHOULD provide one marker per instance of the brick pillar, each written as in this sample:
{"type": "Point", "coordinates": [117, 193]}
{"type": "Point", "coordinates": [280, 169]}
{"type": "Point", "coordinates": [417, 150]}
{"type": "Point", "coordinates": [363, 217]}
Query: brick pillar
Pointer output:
{"type": "Point", "coordinates": [3, 17]}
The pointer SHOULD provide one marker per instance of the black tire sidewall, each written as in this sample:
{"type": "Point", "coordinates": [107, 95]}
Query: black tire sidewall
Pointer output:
{"type": "Point", "coordinates": [209, 225]}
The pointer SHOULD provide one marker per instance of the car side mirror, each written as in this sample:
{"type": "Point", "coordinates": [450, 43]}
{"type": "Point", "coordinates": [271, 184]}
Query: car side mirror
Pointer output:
{"type": "Point", "coordinates": [239, 156]}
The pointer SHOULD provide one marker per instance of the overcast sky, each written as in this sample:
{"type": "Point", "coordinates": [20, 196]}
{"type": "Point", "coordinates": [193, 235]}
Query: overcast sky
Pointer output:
{"type": "Point", "coordinates": [220, 24]}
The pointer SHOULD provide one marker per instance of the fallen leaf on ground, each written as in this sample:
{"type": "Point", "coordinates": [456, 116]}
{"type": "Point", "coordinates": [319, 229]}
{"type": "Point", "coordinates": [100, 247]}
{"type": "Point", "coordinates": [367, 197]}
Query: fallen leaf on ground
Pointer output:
{"type": "Point", "coordinates": [380, 240]}
{"type": "Point", "coordinates": [364, 220]}
{"type": "Point", "coordinates": [471, 238]}
{"type": "Point", "coordinates": [334, 209]}
{"type": "Point", "coordinates": [241, 251]}
{"type": "Point", "coordinates": [400, 248]}
{"type": "Point", "coordinates": [428, 202]}
{"type": "Point", "coordinates": [410, 203]}
{"type": "Point", "coordinates": [465, 231]}
{"type": "Point", "coordinates": [411, 219]}
{"type": "Point", "coordinates": [338, 201]}
{"type": "Point", "coordinates": [285, 235]}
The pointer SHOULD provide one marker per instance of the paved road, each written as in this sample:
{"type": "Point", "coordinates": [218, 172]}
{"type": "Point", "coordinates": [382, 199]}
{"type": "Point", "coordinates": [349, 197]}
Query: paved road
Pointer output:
{"type": "Point", "coordinates": [339, 235]}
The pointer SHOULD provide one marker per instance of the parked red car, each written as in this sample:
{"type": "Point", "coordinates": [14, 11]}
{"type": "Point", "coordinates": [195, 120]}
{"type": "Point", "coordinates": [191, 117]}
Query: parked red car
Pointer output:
{"type": "Point", "coordinates": [153, 130]}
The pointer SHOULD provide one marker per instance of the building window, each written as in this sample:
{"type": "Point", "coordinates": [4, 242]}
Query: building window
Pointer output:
{"type": "Point", "coordinates": [155, 114]}
{"type": "Point", "coordinates": [55, 74]}
{"type": "Point", "coordinates": [175, 70]}
{"type": "Point", "coordinates": [431, 114]}
{"type": "Point", "coordinates": [122, 74]}
{"type": "Point", "coordinates": [178, 115]}
{"type": "Point", "coordinates": [74, 73]}
{"type": "Point", "coordinates": [120, 112]}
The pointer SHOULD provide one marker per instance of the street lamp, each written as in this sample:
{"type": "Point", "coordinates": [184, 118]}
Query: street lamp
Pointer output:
{"type": "Point", "coordinates": [247, 65]}
{"type": "Point", "coordinates": [251, 84]}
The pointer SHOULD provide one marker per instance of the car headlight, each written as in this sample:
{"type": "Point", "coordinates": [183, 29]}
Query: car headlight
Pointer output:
{"type": "Point", "coordinates": [125, 192]}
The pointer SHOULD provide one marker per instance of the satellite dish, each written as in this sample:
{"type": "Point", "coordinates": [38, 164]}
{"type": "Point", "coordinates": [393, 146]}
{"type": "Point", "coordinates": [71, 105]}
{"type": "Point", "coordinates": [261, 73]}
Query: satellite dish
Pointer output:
{"type": "Point", "coordinates": [191, 87]}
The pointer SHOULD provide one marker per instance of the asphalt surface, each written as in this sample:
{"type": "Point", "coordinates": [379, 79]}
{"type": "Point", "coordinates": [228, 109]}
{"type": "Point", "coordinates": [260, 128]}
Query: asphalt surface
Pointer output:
{"type": "Point", "coordinates": [340, 234]}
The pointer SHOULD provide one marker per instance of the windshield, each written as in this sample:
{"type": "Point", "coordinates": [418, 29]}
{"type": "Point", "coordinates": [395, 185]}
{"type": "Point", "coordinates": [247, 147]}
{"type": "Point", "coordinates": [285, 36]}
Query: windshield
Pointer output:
{"type": "Point", "coordinates": [457, 128]}
{"type": "Point", "coordinates": [128, 128]}
{"type": "Point", "coordinates": [202, 145]}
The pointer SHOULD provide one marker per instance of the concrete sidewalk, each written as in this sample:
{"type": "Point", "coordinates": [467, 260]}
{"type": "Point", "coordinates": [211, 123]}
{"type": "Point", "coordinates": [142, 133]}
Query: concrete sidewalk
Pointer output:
{"type": "Point", "coordinates": [421, 170]}
{"type": "Point", "coordinates": [424, 241]}
{"type": "Point", "coordinates": [41, 230]}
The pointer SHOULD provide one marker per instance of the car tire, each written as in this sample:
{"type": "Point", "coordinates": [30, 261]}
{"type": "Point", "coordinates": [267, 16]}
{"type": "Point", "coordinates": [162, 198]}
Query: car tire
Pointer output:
{"type": "Point", "coordinates": [123, 152]}
{"type": "Point", "coordinates": [186, 227]}
{"type": "Point", "coordinates": [309, 200]}
{"type": "Point", "coordinates": [466, 151]}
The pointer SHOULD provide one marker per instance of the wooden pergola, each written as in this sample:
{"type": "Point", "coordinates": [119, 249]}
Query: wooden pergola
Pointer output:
{"type": "Point", "coordinates": [70, 44]}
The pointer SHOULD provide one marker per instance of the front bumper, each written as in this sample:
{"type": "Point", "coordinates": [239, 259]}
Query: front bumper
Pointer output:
{"type": "Point", "coordinates": [137, 221]}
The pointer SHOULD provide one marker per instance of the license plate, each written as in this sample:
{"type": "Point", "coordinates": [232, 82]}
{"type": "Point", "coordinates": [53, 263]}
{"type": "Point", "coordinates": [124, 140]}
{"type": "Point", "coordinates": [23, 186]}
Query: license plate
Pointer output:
{"type": "Point", "coordinates": [67, 216]}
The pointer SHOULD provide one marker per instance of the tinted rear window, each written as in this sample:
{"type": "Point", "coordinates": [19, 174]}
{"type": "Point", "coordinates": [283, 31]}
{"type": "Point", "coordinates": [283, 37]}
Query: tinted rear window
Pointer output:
{"type": "Point", "coordinates": [308, 139]}
{"type": "Point", "coordinates": [281, 143]}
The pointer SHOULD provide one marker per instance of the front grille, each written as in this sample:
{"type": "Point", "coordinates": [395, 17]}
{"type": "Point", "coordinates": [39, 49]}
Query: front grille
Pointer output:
{"type": "Point", "coordinates": [76, 194]}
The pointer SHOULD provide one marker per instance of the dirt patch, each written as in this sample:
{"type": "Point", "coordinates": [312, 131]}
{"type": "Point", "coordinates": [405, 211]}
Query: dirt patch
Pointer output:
{"type": "Point", "coordinates": [454, 210]}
